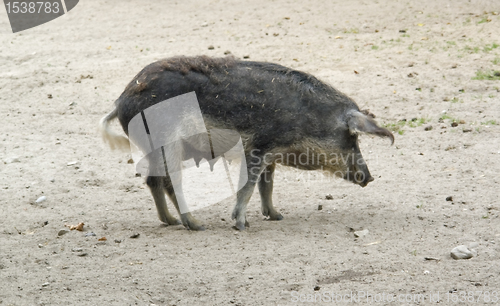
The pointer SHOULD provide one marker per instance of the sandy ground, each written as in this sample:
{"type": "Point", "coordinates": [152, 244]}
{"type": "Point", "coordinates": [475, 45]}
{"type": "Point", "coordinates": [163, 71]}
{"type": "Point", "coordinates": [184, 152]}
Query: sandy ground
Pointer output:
{"type": "Point", "coordinates": [400, 59]}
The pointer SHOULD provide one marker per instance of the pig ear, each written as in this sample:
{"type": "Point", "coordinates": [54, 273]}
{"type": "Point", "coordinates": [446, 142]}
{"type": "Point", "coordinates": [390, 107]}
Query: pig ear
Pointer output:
{"type": "Point", "coordinates": [358, 122]}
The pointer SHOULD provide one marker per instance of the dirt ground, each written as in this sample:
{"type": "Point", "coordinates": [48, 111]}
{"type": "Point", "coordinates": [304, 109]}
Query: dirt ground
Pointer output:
{"type": "Point", "coordinates": [403, 60]}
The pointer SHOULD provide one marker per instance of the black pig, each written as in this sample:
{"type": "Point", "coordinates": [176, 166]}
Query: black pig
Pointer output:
{"type": "Point", "coordinates": [279, 112]}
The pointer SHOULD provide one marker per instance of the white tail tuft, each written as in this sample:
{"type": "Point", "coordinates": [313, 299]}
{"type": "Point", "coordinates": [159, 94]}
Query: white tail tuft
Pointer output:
{"type": "Point", "coordinates": [114, 140]}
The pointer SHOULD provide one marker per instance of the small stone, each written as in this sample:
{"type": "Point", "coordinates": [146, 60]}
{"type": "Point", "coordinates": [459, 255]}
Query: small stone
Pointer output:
{"type": "Point", "coordinates": [41, 199]}
{"type": "Point", "coordinates": [118, 241]}
{"type": "Point", "coordinates": [316, 288]}
{"type": "Point", "coordinates": [246, 56]}
{"type": "Point", "coordinates": [211, 47]}
{"type": "Point", "coordinates": [227, 52]}
{"type": "Point", "coordinates": [89, 234]}
{"type": "Point", "coordinates": [62, 232]}
{"type": "Point", "coordinates": [135, 235]}
{"type": "Point", "coordinates": [449, 199]}
{"type": "Point", "coordinates": [467, 130]}
{"type": "Point", "coordinates": [76, 250]}
{"type": "Point", "coordinates": [432, 258]}
{"type": "Point", "coordinates": [130, 161]}
{"type": "Point", "coordinates": [461, 252]}
{"type": "Point", "coordinates": [137, 175]}
{"type": "Point", "coordinates": [45, 284]}
{"type": "Point", "coordinates": [320, 207]}
{"type": "Point", "coordinates": [82, 254]}
{"type": "Point", "coordinates": [52, 180]}
{"type": "Point", "coordinates": [359, 234]}
{"type": "Point", "coordinates": [461, 122]}
{"type": "Point", "coordinates": [72, 163]}
{"type": "Point", "coordinates": [454, 124]}
{"type": "Point", "coordinates": [12, 160]}
{"type": "Point", "coordinates": [329, 197]}
{"type": "Point", "coordinates": [428, 128]}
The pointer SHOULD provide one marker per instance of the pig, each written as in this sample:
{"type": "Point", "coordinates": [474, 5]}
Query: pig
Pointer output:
{"type": "Point", "coordinates": [279, 112]}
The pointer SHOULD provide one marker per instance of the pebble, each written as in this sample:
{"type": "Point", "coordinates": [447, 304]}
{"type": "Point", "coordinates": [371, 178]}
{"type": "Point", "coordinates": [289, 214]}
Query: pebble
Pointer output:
{"type": "Point", "coordinates": [41, 199]}
{"type": "Point", "coordinates": [45, 284]}
{"type": "Point", "coordinates": [72, 163]}
{"type": "Point", "coordinates": [12, 160]}
{"type": "Point", "coordinates": [246, 56]}
{"type": "Point", "coordinates": [359, 234]}
{"type": "Point", "coordinates": [428, 128]}
{"type": "Point", "coordinates": [135, 235]}
{"type": "Point", "coordinates": [467, 130]}
{"type": "Point", "coordinates": [76, 249]}
{"type": "Point", "coordinates": [89, 234]}
{"type": "Point", "coordinates": [432, 258]}
{"type": "Point", "coordinates": [329, 197]}
{"type": "Point", "coordinates": [320, 207]}
{"type": "Point", "coordinates": [461, 252]}
{"type": "Point", "coordinates": [211, 47]}
{"type": "Point", "coordinates": [82, 254]}
{"type": "Point", "coordinates": [62, 232]}
{"type": "Point", "coordinates": [450, 198]}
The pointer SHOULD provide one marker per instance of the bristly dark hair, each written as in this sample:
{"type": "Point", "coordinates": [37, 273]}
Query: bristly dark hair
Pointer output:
{"type": "Point", "coordinates": [203, 64]}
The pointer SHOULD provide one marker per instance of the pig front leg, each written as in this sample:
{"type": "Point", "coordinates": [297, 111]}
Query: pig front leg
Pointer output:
{"type": "Point", "coordinates": [254, 169]}
{"type": "Point", "coordinates": [266, 193]}
{"type": "Point", "coordinates": [155, 184]}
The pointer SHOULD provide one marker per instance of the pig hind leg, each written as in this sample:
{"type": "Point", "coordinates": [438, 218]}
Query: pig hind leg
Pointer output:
{"type": "Point", "coordinates": [266, 193]}
{"type": "Point", "coordinates": [156, 186]}
{"type": "Point", "coordinates": [187, 219]}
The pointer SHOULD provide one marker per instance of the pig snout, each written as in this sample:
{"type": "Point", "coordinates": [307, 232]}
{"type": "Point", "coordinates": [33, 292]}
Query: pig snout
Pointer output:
{"type": "Point", "coordinates": [362, 179]}
{"type": "Point", "coordinates": [361, 175]}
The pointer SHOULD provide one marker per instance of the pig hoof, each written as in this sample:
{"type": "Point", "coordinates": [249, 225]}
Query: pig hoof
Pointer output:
{"type": "Point", "coordinates": [240, 226]}
{"type": "Point", "coordinates": [192, 227]}
{"type": "Point", "coordinates": [276, 217]}
{"type": "Point", "coordinates": [173, 222]}
{"type": "Point", "coordinates": [273, 214]}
